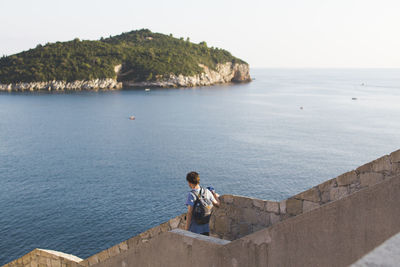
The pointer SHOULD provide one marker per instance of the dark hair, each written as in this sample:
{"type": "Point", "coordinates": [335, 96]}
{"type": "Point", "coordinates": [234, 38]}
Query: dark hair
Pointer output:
{"type": "Point", "coordinates": [193, 178]}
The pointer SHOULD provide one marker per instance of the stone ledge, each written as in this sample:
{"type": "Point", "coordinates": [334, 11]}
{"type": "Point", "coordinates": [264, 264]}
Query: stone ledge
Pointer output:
{"type": "Point", "coordinates": [347, 178]}
{"type": "Point", "coordinates": [211, 239]}
{"type": "Point", "coordinates": [46, 258]}
{"type": "Point", "coordinates": [395, 156]}
{"type": "Point", "coordinates": [61, 254]}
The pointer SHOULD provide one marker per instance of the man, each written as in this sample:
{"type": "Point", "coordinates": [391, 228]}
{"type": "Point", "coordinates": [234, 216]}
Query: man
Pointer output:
{"type": "Point", "coordinates": [196, 192]}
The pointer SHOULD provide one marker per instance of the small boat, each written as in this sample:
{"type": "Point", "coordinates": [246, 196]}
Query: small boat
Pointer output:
{"type": "Point", "coordinates": [301, 107]}
{"type": "Point", "coordinates": [147, 89]}
{"type": "Point", "coordinates": [354, 98]}
{"type": "Point", "coordinates": [132, 118]}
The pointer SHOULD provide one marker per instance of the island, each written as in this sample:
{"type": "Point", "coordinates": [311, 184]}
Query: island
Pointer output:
{"type": "Point", "coordinates": [139, 58]}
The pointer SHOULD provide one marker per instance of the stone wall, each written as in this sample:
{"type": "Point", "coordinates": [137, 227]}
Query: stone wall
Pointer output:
{"type": "Point", "coordinates": [136, 242]}
{"type": "Point", "coordinates": [177, 248]}
{"type": "Point", "coordinates": [97, 84]}
{"type": "Point", "coordinates": [46, 258]}
{"type": "Point", "coordinates": [336, 234]}
{"type": "Point", "coordinates": [239, 216]}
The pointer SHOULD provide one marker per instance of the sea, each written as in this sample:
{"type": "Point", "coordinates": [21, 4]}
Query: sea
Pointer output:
{"type": "Point", "coordinates": [78, 176]}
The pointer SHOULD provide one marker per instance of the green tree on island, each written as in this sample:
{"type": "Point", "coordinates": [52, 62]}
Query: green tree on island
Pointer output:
{"type": "Point", "coordinates": [144, 55]}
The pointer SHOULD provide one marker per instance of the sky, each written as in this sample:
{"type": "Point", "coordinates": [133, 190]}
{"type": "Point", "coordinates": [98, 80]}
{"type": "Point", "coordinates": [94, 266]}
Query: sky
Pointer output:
{"type": "Point", "coordinates": [265, 33]}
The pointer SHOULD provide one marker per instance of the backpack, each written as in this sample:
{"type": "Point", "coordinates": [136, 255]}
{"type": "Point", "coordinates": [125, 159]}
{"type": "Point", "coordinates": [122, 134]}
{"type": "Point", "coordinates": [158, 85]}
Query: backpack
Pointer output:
{"type": "Point", "coordinates": [202, 208]}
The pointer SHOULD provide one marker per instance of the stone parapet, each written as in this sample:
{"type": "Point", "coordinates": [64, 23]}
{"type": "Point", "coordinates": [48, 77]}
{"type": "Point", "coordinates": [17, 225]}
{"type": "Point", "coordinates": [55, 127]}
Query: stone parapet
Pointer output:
{"type": "Point", "coordinates": [239, 216]}
{"type": "Point", "coordinates": [136, 242]}
{"type": "Point", "coordinates": [46, 258]}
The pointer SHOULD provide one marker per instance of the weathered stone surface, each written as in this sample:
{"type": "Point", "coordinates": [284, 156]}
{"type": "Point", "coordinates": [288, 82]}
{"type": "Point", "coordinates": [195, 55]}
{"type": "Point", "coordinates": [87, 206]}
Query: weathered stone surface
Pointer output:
{"type": "Point", "coordinates": [227, 199]}
{"type": "Point", "coordinates": [325, 189]}
{"type": "Point", "coordinates": [354, 187]}
{"type": "Point", "coordinates": [325, 196]}
{"type": "Point", "coordinates": [102, 256]}
{"type": "Point", "coordinates": [132, 242]}
{"type": "Point", "coordinates": [274, 218]}
{"type": "Point", "coordinates": [310, 195]}
{"type": "Point", "coordinates": [164, 227]}
{"type": "Point", "coordinates": [263, 219]}
{"type": "Point", "coordinates": [395, 156]}
{"type": "Point", "coordinates": [347, 178]}
{"type": "Point", "coordinates": [222, 225]}
{"type": "Point", "coordinates": [396, 168]}
{"type": "Point", "coordinates": [294, 206]}
{"type": "Point", "coordinates": [243, 202]}
{"type": "Point", "coordinates": [244, 229]}
{"type": "Point", "coordinates": [326, 186]}
{"type": "Point", "coordinates": [308, 205]}
{"type": "Point", "coordinates": [258, 203]}
{"type": "Point", "coordinates": [257, 228]}
{"type": "Point", "coordinates": [250, 216]}
{"type": "Point", "coordinates": [26, 259]}
{"type": "Point", "coordinates": [369, 179]}
{"type": "Point", "coordinates": [365, 168]}
{"type": "Point", "coordinates": [338, 193]}
{"type": "Point", "coordinates": [55, 263]}
{"type": "Point", "coordinates": [182, 223]}
{"type": "Point", "coordinates": [145, 234]}
{"type": "Point", "coordinates": [113, 251]}
{"type": "Point", "coordinates": [44, 260]}
{"type": "Point", "coordinates": [155, 231]}
{"type": "Point", "coordinates": [84, 263]}
{"type": "Point", "coordinates": [174, 222]}
{"type": "Point", "coordinates": [381, 164]}
{"type": "Point", "coordinates": [282, 207]}
{"type": "Point", "coordinates": [123, 246]}
{"type": "Point", "coordinates": [271, 206]}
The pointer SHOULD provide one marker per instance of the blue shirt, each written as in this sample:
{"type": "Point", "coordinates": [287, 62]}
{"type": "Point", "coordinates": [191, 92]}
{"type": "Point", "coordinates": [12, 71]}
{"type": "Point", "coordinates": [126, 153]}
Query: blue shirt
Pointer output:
{"type": "Point", "coordinates": [191, 198]}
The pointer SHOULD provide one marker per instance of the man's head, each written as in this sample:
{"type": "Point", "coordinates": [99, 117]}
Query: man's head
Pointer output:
{"type": "Point", "coordinates": [193, 178]}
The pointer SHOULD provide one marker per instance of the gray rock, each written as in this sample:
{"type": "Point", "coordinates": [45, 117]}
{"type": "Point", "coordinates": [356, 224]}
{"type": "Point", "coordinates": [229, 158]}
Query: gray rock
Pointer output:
{"type": "Point", "coordinates": [224, 73]}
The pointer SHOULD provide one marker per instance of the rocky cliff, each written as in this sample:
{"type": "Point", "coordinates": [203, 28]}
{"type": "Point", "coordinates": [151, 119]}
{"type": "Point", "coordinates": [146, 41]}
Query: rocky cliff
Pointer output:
{"type": "Point", "coordinates": [96, 84]}
{"type": "Point", "coordinates": [224, 73]}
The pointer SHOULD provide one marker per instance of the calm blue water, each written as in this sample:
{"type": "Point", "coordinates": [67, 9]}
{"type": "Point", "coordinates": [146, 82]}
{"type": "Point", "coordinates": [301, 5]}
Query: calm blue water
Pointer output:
{"type": "Point", "coordinates": [78, 176]}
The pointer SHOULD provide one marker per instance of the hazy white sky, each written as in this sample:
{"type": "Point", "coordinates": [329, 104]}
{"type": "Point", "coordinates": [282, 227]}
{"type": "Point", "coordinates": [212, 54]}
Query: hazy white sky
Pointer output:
{"type": "Point", "coordinates": [285, 33]}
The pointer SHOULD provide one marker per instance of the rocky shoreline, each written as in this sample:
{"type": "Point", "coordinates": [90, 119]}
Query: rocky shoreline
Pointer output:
{"type": "Point", "coordinates": [98, 84]}
{"type": "Point", "coordinates": [224, 73]}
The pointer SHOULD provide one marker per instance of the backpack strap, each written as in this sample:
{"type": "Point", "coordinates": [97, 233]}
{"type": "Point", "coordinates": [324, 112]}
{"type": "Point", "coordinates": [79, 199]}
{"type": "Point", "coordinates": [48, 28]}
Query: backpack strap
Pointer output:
{"type": "Point", "coordinates": [195, 195]}
{"type": "Point", "coordinates": [200, 194]}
